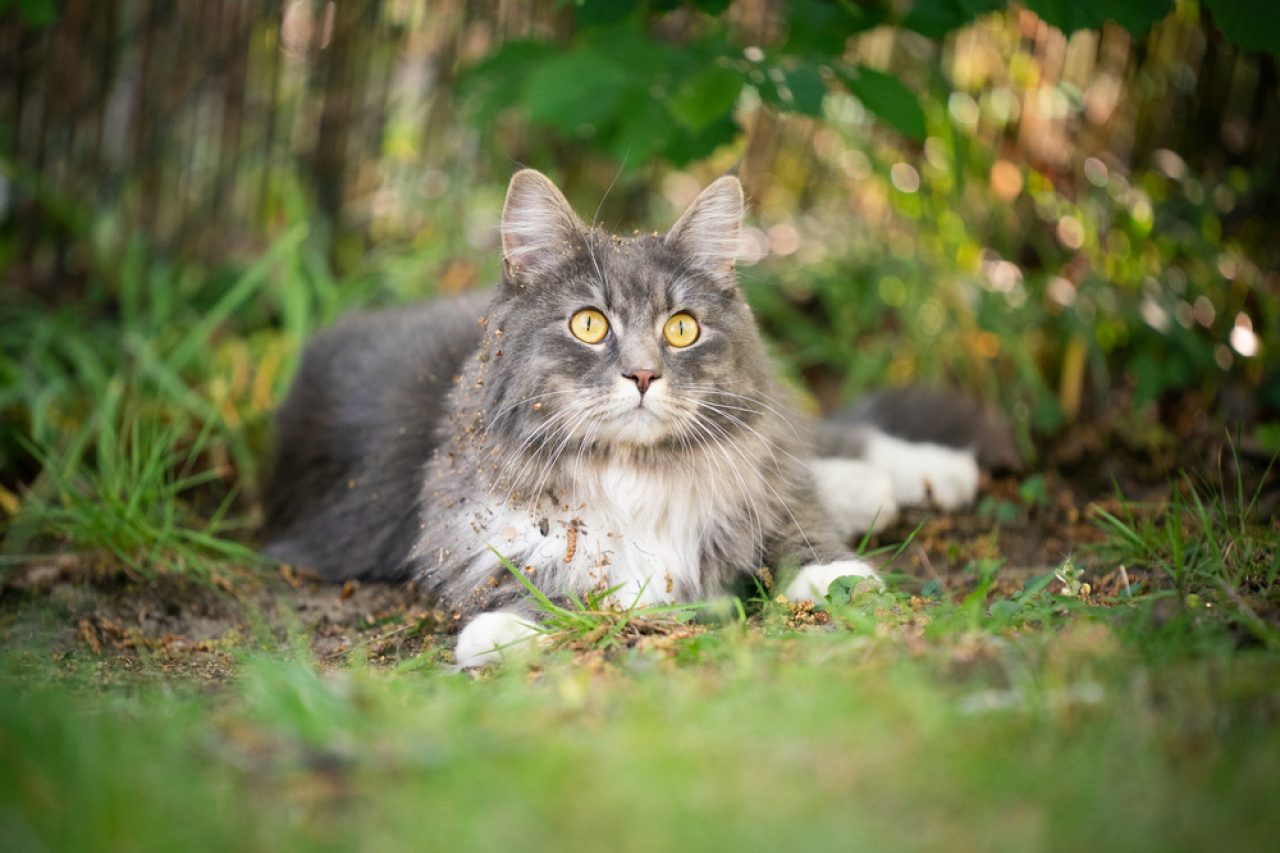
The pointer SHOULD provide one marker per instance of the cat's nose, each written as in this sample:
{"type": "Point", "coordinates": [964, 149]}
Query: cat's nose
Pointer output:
{"type": "Point", "coordinates": [642, 378]}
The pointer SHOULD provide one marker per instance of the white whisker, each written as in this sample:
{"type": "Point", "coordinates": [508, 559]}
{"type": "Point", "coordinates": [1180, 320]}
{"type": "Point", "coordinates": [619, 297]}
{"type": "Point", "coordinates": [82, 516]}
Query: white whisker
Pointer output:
{"type": "Point", "coordinates": [765, 482]}
{"type": "Point", "coordinates": [530, 399]}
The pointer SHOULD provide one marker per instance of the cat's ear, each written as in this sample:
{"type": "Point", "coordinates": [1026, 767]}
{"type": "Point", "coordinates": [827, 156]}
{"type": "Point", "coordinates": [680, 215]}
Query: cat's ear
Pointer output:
{"type": "Point", "coordinates": [708, 231]}
{"type": "Point", "coordinates": [537, 223]}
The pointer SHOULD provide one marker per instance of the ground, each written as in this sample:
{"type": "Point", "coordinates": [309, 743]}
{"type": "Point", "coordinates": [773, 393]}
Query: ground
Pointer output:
{"type": "Point", "coordinates": [1028, 525]}
{"type": "Point", "coordinates": [189, 629]}
{"type": "Point", "coordinates": [1033, 678]}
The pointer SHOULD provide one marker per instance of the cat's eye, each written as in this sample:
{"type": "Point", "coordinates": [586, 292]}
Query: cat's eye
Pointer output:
{"type": "Point", "coordinates": [681, 330]}
{"type": "Point", "coordinates": [589, 326]}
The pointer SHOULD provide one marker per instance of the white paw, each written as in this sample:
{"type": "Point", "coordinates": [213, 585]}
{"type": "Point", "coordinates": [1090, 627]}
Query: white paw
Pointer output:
{"type": "Point", "coordinates": [491, 637]}
{"type": "Point", "coordinates": [925, 473]}
{"type": "Point", "coordinates": [813, 580]}
{"type": "Point", "coordinates": [857, 495]}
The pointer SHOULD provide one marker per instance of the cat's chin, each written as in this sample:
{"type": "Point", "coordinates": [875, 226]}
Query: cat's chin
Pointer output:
{"type": "Point", "coordinates": [639, 426]}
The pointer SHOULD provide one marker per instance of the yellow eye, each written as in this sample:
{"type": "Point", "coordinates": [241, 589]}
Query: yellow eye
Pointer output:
{"type": "Point", "coordinates": [681, 330]}
{"type": "Point", "coordinates": [589, 325]}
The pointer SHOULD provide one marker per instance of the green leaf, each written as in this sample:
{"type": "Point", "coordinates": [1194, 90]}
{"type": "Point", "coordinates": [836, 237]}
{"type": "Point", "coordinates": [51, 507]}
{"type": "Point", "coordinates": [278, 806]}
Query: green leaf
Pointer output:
{"type": "Point", "coordinates": [711, 7]}
{"type": "Point", "coordinates": [576, 89]}
{"type": "Point", "coordinates": [646, 59]}
{"type": "Point", "coordinates": [599, 13]}
{"type": "Point", "coordinates": [936, 18]}
{"type": "Point", "coordinates": [644, 128]}
{"type": "Point", "coordinates": [706, 97]}
{"type": "Point", "coordinates": [808, 89]}
{"type": "Point", "coordinates": [1005, 609]}
{"type": "Point", "coordinates": [1136, 16]}
{"type": "Point", "coordinates": [1034, 491]}
{"type": "Point", "coordinates": [1036, 585]}
{"type": "Point", "coordinates": [36, 13]}
{"type": "Point", "coordinates": [842, 588]}
{"type": "Point", "coordinates": [1003, 511]}
{"type": "Point", "coordinates": [819, 28]}
{"type": "Point", "coordinates": [492, 84]}
{"type": "Point", "coordinates": [887, 97]}
{"type": "Point", "coordinates": [1069, 15]}
{"type": "Point", "coordinates": [1248, 23]}
{"type": "Point", "coordinates": [801, 89]}
{"type": "Point", "coordinates": [684, 146]}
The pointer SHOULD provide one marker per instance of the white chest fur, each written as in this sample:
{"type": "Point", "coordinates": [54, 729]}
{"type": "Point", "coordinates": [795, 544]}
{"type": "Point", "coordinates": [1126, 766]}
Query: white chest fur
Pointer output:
{"type": "Point", "coordinates": [619, 525]}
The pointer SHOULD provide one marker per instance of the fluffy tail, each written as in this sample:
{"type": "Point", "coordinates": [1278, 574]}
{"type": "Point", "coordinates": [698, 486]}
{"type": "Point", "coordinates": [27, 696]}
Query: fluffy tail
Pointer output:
{"type": "Point", "coordinates": [923, 415]}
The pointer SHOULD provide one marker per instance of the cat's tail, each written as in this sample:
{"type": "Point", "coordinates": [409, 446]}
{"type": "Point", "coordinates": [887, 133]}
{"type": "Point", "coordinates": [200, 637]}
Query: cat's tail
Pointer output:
{"type": "Point", "coordinates": [924, 416]}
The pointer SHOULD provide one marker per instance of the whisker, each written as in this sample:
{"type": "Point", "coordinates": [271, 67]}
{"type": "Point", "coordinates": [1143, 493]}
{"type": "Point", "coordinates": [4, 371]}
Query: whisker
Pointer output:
{"type": "Point", "coordinates": [770, 444]}
{"type": "Point", "coordinates": [765, 481]}
{"type": "Point", "coordinates": [549, 466]}
{"type": "Point", "coordinates": [550, 430]}
{"type": "Point", "coordinates": [524, 400]}
{"type": "Point", "coordinates": [717, 451]}
{"type": "Point", "coordinates": [704, 389]}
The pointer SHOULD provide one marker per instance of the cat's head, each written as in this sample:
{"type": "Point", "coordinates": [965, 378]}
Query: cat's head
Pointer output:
{"type": "Point", "coordinates": [612, 341]}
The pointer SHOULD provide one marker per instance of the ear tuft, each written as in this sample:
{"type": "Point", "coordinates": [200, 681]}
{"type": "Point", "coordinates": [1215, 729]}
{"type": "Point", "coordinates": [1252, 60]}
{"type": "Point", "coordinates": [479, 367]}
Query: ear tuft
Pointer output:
{"type": "Point", "coordinates": [536, 221]}
{"type": "Point", "coordinates": [709, 230]}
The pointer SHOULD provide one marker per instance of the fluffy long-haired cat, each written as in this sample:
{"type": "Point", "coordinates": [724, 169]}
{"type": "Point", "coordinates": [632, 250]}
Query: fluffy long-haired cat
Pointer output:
{"type": "Point", "coordinates": [608, 420]}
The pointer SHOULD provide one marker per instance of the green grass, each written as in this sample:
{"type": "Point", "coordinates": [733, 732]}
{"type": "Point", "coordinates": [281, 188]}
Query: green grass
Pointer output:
{"type": "Point", "coordinates": [1046, 718]}
{"type": "Point", "coordinates": [145, 409]}
{"type": "Point", "coordinates": [130, 501]}
{"type": "Point", "coordinates": [1062, 739]}
{"type": "Point", "coordinates": [1209, 544]}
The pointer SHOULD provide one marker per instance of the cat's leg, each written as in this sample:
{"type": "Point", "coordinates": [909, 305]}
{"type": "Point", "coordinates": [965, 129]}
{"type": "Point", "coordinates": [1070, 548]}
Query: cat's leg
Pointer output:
{"type": "Point", "coordinates": [493, 637]}
{"type": "Point", "coordinates": [808, 539]}
{"type": "Point", "coordinates": [924, 473]}
{"type": "Point", "coordinates": [857, 495]}
{"type": "Point", "coordinates": [812, 581]}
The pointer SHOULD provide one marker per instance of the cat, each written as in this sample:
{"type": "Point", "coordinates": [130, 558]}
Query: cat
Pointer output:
{"type": "Point", "coordinates": [609, 420]}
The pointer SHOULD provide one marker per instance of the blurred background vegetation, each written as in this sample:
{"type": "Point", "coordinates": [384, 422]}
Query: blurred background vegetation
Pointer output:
{"type": "Point", "coordinates": [1068, 208]}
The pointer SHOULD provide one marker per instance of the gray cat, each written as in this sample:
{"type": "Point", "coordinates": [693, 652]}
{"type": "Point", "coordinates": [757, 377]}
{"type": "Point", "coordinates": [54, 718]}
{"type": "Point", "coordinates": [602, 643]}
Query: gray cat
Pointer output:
{"type": "Point", "coordinates": [609, 421]}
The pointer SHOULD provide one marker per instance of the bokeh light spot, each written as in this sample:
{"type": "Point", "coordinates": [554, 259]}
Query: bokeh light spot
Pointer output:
{"type": "Point", "coordinates": [784, 239]}
{"type": "Point", "coordinates": [1095, 171]}
{"type": "Point", "coordinates": [1006, 180]}
{"type": "Point", "coordinates": [905, 177]}
{"type": "Point", "coordinates": [1070, 232]}
{"type": "Point", "coordinates": [1243, 338]}
{"type": "Point", "coordinates": [893, 291]}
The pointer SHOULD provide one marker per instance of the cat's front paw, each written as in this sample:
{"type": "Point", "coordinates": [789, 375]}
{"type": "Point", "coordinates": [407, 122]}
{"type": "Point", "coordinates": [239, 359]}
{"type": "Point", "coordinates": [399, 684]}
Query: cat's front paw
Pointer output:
{"type": "Point", "coordinates": [491, 637]}
{"type": "Point", "coordinates": [925, 473]}
{"type": "Point", "coordinates": [812, 582]}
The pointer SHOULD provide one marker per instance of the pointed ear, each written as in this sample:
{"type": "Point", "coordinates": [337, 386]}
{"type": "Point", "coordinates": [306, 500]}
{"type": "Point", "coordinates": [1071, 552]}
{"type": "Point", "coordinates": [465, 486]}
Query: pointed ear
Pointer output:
{"type": "Point", "coordinates": [708, 231]}
{"type": "Point", "coordinates": [536, 220]}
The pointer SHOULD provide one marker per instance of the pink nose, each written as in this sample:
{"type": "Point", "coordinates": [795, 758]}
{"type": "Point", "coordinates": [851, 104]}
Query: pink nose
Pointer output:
{"type": "Point", "coordinates": [642, 378]}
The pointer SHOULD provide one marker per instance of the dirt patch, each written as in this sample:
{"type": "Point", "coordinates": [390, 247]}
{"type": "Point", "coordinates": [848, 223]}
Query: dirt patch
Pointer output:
{"type": "Point", "coordinates": [181, 628]}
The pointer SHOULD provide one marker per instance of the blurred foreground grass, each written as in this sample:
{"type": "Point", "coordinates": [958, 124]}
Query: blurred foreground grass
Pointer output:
{"type": "Point", "coordinates": [1086, 736]}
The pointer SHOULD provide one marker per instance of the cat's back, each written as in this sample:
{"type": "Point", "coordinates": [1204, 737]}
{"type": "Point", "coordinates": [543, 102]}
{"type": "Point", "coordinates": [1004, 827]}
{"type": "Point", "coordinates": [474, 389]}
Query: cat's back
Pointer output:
{"type": "Point", "coordinates": [360, 422]}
